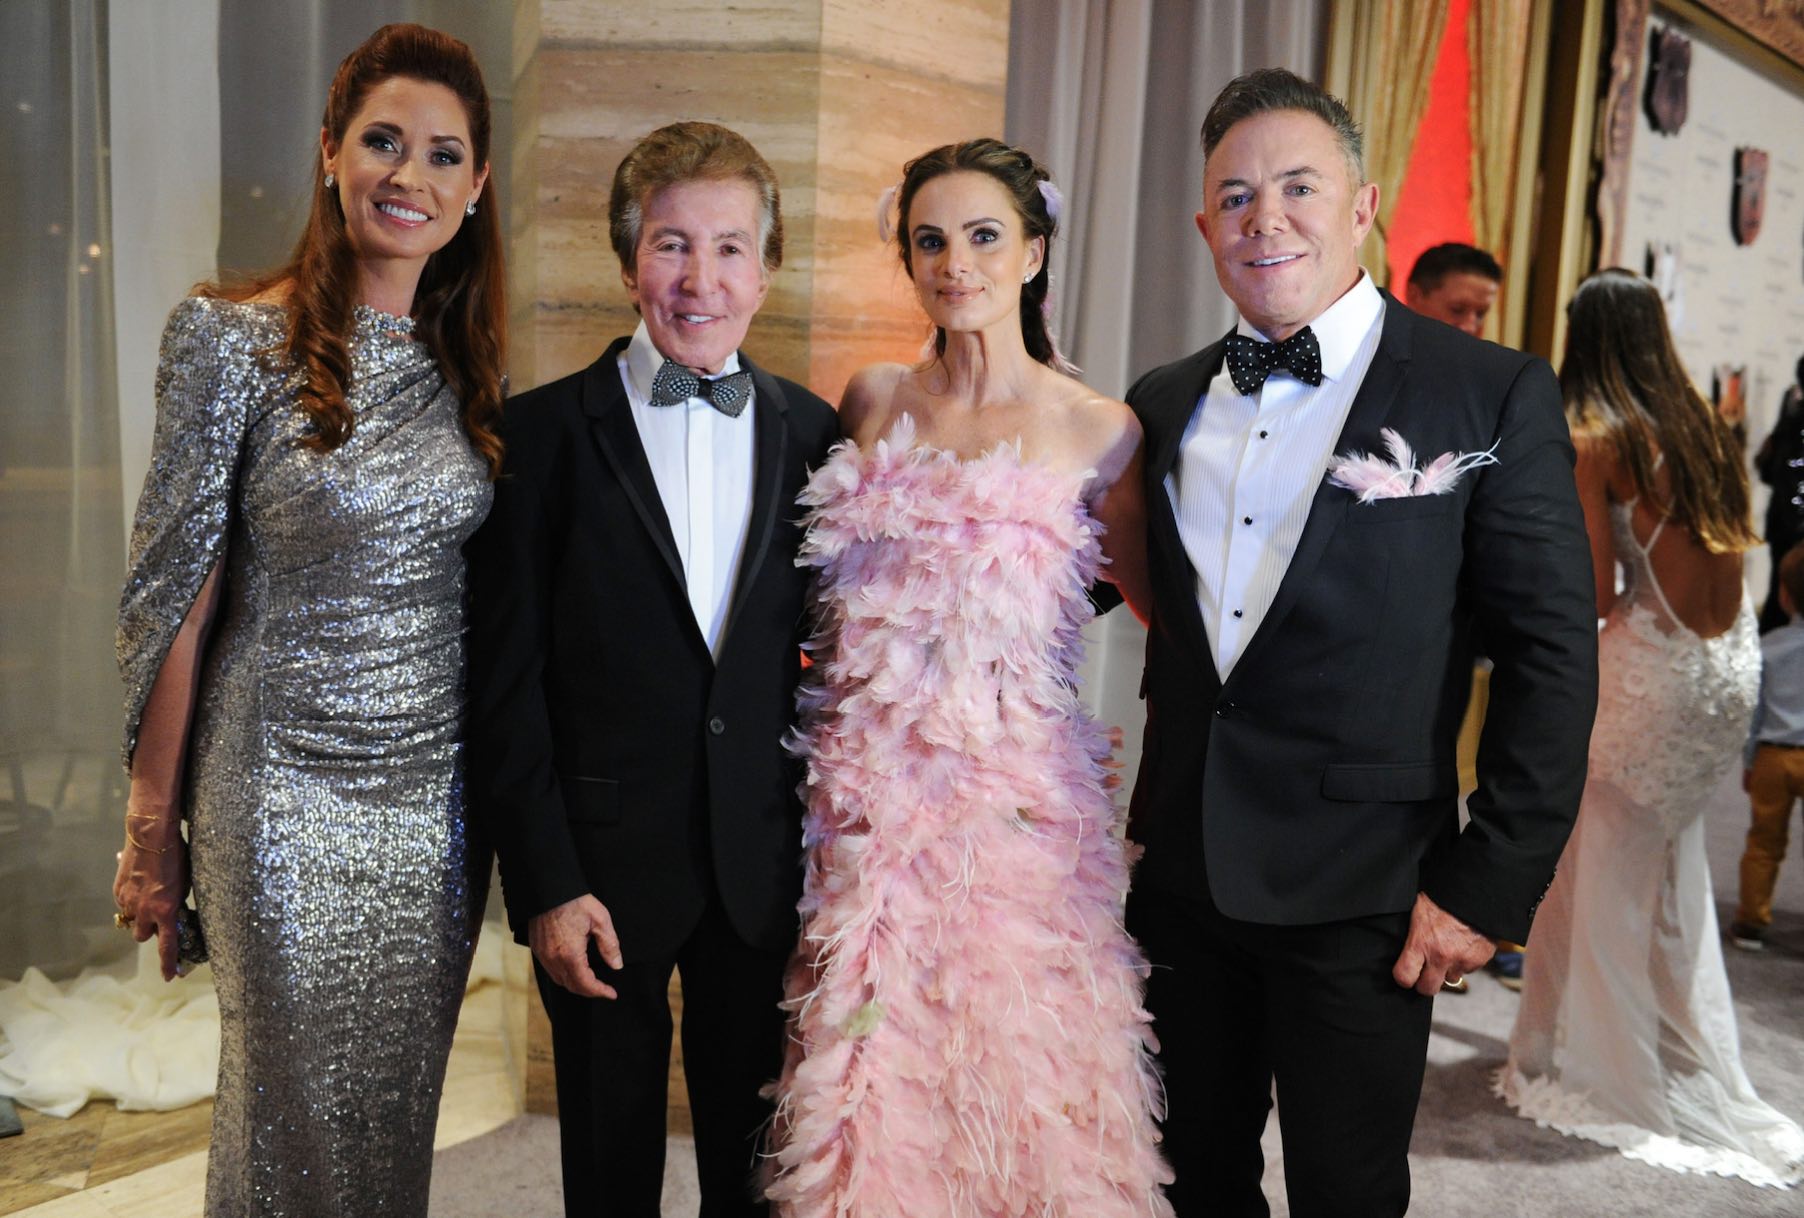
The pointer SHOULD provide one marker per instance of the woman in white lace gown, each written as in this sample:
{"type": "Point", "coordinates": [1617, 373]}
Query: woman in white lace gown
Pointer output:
{"type": "Point", "coordinates": [1626, 1033]}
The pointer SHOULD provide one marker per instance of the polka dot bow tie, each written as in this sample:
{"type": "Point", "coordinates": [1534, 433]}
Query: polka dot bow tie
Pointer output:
{"type": "Point", "coordinates": [675, 385]}
{"type": "Point", "coordinates": [1251, 361]}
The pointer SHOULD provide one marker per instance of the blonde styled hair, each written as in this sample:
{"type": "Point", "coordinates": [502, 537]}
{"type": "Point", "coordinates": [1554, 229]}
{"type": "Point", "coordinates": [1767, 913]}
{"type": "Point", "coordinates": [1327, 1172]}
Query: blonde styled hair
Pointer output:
{"type": "Point", "coordinates": [688, 152]}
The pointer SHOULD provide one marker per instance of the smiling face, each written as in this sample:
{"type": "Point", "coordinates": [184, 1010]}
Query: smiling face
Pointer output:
{"type": "Point", "coordinates": [1462, 299]}
{"type": "Point", "coordinates": [1284, 219]}
{"type": "Point", "coordinates": [968, 251]}
{"type": "Point", "coordinates": [405, 170]}
{"type": "Point", "coordinates": [698, 279]}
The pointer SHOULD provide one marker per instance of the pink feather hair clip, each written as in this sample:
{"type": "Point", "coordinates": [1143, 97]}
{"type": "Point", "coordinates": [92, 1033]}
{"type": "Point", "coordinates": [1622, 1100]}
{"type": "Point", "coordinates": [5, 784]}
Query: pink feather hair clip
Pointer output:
{"type": "Point", "coordinates": [886, 203]}
{"type": "Point", "coordinates": [1371, 477]}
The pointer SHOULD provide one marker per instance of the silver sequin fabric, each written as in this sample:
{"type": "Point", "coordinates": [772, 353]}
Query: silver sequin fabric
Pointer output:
{"type": "Point", "coordinates": [336, 882]}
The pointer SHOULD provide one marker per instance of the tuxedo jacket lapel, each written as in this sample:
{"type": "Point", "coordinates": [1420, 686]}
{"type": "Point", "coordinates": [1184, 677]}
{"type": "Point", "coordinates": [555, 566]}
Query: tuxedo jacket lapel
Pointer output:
{"type": "Point", "coordinates": [770, 411]}
{"type": "Point", "coordinates": [1371, 404]}
{"type": "Point", "coordinates": [1167, 418]}
{"type": "Point", "coordinates": [616, 435]}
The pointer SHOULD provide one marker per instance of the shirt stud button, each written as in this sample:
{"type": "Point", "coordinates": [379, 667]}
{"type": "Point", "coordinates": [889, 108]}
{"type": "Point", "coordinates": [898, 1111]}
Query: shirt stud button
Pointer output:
{"type": "Point", "coordinates": [1240, 613]}
{"type": "Point", "coordinates": [1246, 520]}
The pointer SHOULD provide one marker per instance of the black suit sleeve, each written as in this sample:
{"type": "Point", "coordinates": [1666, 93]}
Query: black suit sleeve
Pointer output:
{"type": "Point", "coordinates": [513, 783]}
{"type": "Point", "coordinates": [1527, 572]}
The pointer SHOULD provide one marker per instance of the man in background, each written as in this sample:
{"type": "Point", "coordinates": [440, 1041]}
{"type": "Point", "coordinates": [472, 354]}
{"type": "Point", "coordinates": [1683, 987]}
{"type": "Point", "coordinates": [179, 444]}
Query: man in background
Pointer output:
{"type": "Point", "coordinates": [1780, 464]}
{"type": "Point", "coordinates": [1456, 284]}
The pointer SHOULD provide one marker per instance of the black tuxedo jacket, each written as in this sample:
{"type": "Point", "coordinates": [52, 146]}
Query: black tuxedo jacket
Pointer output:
{"type": "Point", "coordinates": [609, 752]}
{"type": "Point", "coordinates": [1318, 783]}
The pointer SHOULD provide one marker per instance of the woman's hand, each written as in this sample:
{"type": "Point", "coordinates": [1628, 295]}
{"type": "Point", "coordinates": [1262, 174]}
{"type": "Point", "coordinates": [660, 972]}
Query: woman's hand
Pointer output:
{"type": "Point", "coordinates": [152, 881]}
{"type": "Point", "coordinates": [153, 868]}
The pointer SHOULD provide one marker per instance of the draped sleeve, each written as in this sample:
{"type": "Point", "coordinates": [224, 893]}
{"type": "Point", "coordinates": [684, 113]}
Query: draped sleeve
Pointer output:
{"type": "Point", "coordinates": [203, 389]}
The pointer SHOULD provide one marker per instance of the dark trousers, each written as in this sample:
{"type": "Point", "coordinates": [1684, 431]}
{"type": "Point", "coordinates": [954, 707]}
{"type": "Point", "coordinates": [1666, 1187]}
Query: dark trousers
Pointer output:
{"type": "Point", "coordinates": [613, 1060]}
{"type": "Point", "coordinates": [1237, 1006]}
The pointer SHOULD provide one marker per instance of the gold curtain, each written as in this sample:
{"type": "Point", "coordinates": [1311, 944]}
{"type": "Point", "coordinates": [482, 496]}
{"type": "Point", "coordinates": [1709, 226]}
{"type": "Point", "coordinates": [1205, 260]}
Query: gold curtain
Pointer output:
{"type": "Point", "coordinates": [1497, 39]}
{"type": "Point", "coordinates": [1390, 52]}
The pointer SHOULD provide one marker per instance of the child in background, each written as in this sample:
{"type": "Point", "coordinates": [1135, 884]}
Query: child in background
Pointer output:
{"type": "Point", "coordinates": [1774, 777]}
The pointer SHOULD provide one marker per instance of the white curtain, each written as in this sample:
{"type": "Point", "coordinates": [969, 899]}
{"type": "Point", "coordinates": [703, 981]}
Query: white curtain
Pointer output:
{"type": "Point", "coordinates": [61, 544]}
{"type": "Point", "coordinates": [164, 197]}
{"type": "Point", "coordinates": [1110, 96]}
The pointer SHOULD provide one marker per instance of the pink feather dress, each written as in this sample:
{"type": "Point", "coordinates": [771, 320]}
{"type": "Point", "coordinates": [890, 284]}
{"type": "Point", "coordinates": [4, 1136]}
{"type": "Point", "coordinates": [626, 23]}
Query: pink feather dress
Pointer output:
{"type": "Point", "coordinates": [967, 1036]}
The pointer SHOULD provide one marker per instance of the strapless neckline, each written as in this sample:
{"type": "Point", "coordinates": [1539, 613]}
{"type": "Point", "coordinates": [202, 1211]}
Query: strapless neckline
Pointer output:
{"type": "Point", "coordinates": [902, 443]}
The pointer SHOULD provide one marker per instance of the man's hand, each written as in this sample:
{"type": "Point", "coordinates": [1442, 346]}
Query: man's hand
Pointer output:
{"type": "Point", "coordinates": [1439, 948]}
{"type": "Point", "coordinates": [560, 941]}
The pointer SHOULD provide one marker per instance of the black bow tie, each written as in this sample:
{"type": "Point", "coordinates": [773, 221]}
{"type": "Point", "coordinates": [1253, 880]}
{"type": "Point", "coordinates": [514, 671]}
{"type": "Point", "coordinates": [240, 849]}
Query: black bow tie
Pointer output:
{"type": "Point", "coordinates": [675, 385]}
{"type": "Point", "coordinates": [1251, 361]}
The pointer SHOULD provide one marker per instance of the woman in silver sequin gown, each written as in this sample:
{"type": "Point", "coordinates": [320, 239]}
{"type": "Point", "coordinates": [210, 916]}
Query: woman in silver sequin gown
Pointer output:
{"type": "Point", "coordinates": [1626, 1034]}
{"type": "Point", "coordinates": [291, 636]}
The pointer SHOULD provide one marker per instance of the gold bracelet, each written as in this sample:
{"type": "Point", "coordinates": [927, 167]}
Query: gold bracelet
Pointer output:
{"type": "Point", "coordinates": [140, 845]}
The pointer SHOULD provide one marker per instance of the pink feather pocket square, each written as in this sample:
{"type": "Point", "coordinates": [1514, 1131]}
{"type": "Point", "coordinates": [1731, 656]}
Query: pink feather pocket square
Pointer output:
{"type": "Point", "coordinates": [1371, 477]}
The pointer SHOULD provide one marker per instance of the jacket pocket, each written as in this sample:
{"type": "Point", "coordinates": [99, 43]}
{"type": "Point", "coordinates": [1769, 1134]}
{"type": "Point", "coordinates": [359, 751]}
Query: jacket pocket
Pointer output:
{"type": "Point", "coordinates": [1391, 784]}
{"type": "Point", "coordinates": [590, 801]}
{"type": "Point", "coordinates": [1405, 507]}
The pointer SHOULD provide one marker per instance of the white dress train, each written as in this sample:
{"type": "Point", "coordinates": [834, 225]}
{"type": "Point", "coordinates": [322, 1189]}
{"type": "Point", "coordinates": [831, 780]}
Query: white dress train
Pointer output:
{"type": "Point", "coordinates": [1626, 1034]}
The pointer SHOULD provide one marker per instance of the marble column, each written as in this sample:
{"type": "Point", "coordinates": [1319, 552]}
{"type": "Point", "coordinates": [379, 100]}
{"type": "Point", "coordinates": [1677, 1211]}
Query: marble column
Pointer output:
{"type": "Point", "coordinates": [837, 95]}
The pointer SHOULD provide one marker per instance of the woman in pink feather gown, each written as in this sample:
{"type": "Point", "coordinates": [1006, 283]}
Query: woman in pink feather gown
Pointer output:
{"type": "Point", "coordinates": [967, 1036]}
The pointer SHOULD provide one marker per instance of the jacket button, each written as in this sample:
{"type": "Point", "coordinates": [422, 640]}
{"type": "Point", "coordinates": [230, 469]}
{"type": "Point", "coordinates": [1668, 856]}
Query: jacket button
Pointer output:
{"type": "Point", "coordinates": [717, 725]}
{"type": "Point", "coordinates": [1224, 710]}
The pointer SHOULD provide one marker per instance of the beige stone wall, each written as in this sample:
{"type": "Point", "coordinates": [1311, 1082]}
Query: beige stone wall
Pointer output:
{"type": "Point", "coordinates": [836, 94]}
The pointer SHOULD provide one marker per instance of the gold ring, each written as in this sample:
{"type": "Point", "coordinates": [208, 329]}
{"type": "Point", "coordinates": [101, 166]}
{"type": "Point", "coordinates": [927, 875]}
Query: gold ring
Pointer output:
{"type": "Point", "coordinates": [123, 921]}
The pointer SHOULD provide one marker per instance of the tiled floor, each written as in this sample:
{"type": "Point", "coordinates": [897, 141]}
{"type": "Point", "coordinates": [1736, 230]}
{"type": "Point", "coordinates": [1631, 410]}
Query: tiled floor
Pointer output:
{"type": "Point", "coordinates": [103, 1163]}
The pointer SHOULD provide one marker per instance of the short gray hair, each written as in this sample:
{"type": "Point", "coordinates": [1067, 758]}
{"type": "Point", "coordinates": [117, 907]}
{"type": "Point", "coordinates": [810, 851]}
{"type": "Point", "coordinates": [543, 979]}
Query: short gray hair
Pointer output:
{"type": "Point", "coordinates": [1269, 89]}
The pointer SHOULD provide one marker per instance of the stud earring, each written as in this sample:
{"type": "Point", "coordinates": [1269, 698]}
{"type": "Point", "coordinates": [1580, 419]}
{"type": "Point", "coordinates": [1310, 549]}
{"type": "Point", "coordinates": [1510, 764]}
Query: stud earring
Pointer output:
{"type": "Point", "coordinates": [470, 208]}
{"type": "Point", "coordinates": [330, 181]}
{"type": "Point", "coordinates": [1027, 278]}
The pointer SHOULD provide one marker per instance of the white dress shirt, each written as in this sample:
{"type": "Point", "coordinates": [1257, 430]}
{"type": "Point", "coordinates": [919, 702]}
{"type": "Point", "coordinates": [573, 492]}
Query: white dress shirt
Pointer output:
{"type": "Point", "coordinates": [702, 463]}
{"type": "Point", "coordinates": [1249, 465]}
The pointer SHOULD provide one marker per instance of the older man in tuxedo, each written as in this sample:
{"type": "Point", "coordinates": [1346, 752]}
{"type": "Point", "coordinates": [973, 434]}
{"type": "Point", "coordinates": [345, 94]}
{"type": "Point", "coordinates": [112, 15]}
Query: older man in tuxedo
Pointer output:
{"type": "Point", "coordinates": [636, 620]}
{"type": "Point", "coordinates": [1306, 886]}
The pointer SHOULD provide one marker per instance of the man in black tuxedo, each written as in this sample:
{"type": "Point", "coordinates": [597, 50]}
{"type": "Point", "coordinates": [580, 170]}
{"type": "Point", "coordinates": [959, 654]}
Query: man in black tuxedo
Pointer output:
{"type": "Point", "coordinates": [635, 630]}
{"type": "Point", "coordinates": [1305, 887]}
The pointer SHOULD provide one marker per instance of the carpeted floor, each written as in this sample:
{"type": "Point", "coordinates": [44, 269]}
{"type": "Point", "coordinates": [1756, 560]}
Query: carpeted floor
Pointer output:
{"type": "Point", "coordinates": [1472, 1157]}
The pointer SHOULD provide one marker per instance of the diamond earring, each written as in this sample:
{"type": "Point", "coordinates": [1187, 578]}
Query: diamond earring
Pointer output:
{"type": "Point", "coordinates": [470, 208]}
{"type": "Point", "coordinates": [330, 181]}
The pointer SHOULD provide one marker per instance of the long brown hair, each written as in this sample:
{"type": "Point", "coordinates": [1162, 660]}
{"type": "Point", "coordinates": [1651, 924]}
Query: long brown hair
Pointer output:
{"type": "Point", "coordinates": [1622, 381]}
{"type": "Point", "coordinates": [460, 305]}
